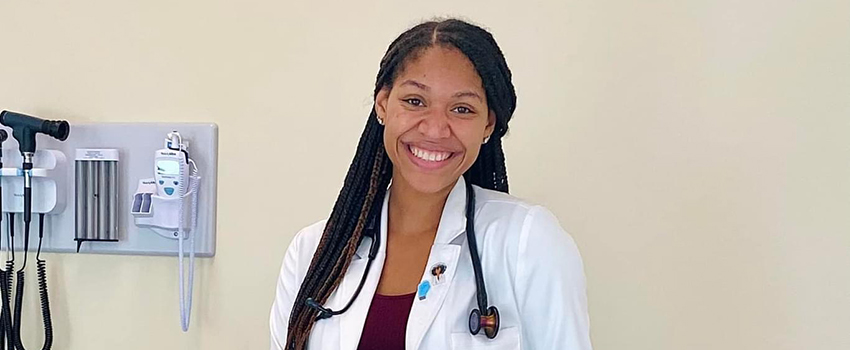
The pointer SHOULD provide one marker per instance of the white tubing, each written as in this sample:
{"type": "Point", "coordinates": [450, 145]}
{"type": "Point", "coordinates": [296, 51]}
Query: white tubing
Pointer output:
{"type": "Point", "coordinates": [186, 295]}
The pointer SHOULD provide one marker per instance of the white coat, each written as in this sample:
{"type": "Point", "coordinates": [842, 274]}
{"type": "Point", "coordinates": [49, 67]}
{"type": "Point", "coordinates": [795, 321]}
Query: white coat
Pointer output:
{"type": "Point", "coordinates": [532, 271]}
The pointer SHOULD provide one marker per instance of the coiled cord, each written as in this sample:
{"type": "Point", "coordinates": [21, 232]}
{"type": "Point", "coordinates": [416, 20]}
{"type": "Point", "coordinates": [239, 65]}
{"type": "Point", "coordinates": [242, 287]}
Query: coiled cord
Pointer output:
{"type": "Point", "coordinates": [6, 288]}
{"type": "Point", "coordinates": [42, 291]}
{"type": "Point", "coordinates": [187, 286]}
{"type": "Point", "coordinates": [41, 267]}
{"type": "Point", "coordinates": [6, 293]}
{"type": "Point", "coordinates": [45, 304]}
{"type": "Point", "coordinates": [2, 272]}
{"type": "Point", "coordinates": [19, 290]}
{"type": "Point", "coordinates": [19, 302]}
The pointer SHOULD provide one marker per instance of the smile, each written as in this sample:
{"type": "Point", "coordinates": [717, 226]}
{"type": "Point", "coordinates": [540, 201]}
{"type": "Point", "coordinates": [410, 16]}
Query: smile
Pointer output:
{"type": "Point", "coordinates": [431, 156]}
{"type": "Point", "coordinates": [429, 159]}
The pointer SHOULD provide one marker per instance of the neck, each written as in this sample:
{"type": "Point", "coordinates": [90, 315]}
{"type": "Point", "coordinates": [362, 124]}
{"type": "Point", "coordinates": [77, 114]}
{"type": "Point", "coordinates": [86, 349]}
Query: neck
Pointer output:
{"type": "Point", "coordinates": [412, 212]}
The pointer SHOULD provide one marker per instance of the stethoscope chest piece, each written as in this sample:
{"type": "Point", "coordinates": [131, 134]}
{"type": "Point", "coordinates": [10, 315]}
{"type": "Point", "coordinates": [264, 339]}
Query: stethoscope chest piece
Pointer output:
{"type": "Point", "coordinates": [489, 322]}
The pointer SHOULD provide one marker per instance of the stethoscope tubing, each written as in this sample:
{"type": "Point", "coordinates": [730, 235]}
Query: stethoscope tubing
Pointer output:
{"type": "Point", "coordinates": [373, 231]}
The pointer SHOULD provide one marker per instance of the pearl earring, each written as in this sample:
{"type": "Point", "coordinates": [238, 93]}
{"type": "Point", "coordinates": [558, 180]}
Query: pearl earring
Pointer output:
{"type": "Point", "coordinates": [486, 139]}
{"type": "Point", "coordinates": [380, 121]}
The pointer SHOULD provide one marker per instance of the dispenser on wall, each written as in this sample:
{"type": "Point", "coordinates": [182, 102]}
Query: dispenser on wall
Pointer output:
{"type": "Point", "coordinates": [96, 178]}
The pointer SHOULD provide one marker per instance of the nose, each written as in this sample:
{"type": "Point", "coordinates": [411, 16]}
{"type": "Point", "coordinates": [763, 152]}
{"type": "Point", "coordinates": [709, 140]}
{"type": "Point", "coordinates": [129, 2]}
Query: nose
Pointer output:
{"type": "Point", "coordinates": [435, 125]}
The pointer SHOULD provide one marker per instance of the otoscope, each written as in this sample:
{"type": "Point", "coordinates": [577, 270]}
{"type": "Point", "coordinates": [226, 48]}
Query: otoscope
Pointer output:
{"type": "Point", "coordinates": [24, 129]}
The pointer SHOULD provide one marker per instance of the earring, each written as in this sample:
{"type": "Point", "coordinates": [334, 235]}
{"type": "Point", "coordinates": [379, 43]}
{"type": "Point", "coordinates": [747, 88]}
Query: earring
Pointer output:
{"type": "Point", "coordinates": [486, 139]}
{"type": "Point", "coordinates": [380, 121]}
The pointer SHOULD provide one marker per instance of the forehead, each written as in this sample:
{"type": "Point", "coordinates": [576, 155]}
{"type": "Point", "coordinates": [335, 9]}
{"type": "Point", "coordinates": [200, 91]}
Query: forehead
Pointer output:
{"type": "Point", "coordinates": [442, 68]}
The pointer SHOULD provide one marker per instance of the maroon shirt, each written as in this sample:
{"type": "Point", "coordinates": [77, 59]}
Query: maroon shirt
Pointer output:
{"type": "Point", "coordinates": [386, 322]}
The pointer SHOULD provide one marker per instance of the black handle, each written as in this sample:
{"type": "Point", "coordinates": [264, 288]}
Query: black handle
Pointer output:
{"type": "Point", "coordinates": [24, 128]}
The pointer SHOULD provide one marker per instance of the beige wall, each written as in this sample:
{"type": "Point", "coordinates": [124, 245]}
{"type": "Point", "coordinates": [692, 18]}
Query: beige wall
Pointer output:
{"type": "Point", "coordinates": [698, 152]}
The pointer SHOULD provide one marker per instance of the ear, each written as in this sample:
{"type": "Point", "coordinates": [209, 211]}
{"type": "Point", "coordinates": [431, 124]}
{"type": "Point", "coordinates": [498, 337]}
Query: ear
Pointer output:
{"type": "Point", "coordinates": [381, 102]}
{"type": "Point", "coordinates": [491, 124]}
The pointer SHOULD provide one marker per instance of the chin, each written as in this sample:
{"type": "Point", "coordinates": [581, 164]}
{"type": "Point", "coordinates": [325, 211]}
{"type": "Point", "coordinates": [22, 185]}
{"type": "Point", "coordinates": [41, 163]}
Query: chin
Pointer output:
{"type": "Point", "coordinates": [429, 184]}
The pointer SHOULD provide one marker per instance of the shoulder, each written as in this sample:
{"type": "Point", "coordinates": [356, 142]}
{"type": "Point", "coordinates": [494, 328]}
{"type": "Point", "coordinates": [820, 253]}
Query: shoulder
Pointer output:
{"type": "Point", "coordinates": [513, 213]}
{"type": "Point", "coordinates": [490, 202]}
{"type": "Point", "coordinates": [523, 230]}
{"type": "Point", "coordinates": [305, 242]}
{"type": "Point", "coordinates": [298, 256]}
{"type": "Point", "coordinates": [308, 238]}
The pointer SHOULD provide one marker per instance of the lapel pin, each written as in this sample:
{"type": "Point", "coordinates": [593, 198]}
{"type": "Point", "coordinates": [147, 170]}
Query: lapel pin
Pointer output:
{"type": "Point", "coordinates": [423, 289]}
{"type": "Point", "coordinates": [437, 272]}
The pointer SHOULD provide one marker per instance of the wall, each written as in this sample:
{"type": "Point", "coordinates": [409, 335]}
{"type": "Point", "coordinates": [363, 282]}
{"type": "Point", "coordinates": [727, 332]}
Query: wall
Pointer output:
{"type": "Point", "coordinates": [696, 150]}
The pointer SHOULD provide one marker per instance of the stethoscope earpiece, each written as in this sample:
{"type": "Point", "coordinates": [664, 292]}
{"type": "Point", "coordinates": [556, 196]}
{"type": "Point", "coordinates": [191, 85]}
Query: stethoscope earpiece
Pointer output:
{"type": "Point", "coordinates": [489, 322]}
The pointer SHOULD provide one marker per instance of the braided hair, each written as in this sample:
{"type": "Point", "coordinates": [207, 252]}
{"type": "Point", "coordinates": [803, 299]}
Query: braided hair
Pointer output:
{"type": "Point", "coordinates": [370, 172]}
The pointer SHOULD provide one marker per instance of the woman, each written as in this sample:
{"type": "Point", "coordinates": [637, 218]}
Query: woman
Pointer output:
{"type": "Point", "coordinates": [443, 99]}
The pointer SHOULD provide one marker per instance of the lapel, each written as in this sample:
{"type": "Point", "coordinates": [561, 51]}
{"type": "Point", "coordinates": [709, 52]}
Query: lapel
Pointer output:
{"type": "Point", "coordinates": [351, 322]}
{"type": "Point", "coordinates": [444, 251]}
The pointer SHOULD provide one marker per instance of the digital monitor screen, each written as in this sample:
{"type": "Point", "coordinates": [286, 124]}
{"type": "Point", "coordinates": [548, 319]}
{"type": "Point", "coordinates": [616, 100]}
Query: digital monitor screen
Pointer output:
{"type": "Point", "coordinates": [168, 167]}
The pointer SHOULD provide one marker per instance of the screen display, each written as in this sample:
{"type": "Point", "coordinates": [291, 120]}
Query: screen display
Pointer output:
{"type": "Point", "coordinates": [168, 167]}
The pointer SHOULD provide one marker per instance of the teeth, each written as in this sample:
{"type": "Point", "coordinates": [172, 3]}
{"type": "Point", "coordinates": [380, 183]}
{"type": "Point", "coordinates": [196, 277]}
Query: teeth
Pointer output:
{"type": "Point", "coordinates": [430, 156]}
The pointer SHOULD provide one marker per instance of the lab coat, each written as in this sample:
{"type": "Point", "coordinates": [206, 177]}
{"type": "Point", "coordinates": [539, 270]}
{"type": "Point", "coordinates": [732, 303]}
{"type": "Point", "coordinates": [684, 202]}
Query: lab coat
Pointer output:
{"type": "Point", "coordinates": [532, 271]}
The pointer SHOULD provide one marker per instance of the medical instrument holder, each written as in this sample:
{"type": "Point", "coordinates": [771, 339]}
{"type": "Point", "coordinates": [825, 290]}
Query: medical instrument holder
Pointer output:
{"type": "Point", "coordinates": [172, 216]}
{"type": "Point", "coordinates": [160, 214]}
{"type": "Point", "coordinates": [96, 195]}
{"type": "Point", "coordinates": [49, 186]}
{"type": "Point", "coordinates": [134, 142]}
{"type": "Point", "coordinates": [54, 178]}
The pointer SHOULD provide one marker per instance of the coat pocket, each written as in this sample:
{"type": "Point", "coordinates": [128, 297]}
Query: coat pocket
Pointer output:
{"type": "Point", "coordinates": [507, 339]}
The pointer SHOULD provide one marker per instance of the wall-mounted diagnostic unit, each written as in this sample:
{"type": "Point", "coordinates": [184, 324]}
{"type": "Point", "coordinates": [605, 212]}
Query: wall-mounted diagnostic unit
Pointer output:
{"type": "Point", "coordinates": [102, 188]}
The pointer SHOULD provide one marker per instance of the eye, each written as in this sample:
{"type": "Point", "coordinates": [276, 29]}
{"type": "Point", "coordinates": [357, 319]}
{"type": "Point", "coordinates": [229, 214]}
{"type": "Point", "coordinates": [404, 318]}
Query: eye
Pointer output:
{"type": "Point", "coordinates": [462, 110]}
{"type": "Point", "coordinates": [414, 102]}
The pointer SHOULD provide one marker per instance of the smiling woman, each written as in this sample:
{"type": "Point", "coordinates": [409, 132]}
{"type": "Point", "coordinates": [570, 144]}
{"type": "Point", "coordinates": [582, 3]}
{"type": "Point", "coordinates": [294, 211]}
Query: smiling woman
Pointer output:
{"type": "Point", "coordinates": [465, 265]}
{"type": "Point", "coordinates": [436, 119]}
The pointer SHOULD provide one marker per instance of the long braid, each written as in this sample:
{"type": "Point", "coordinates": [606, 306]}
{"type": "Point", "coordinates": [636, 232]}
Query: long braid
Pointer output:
{"type": "Point", "coordinates": [371, 170]}
{"type": "Point", "coordinates": [489, 169]}
{"type": "Point", "coordinates": [344, 228]}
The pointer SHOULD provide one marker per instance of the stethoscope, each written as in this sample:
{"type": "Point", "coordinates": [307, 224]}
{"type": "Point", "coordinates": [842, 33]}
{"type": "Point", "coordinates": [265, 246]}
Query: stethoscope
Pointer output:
{"type": "Point", "coordinates": [478, 320]}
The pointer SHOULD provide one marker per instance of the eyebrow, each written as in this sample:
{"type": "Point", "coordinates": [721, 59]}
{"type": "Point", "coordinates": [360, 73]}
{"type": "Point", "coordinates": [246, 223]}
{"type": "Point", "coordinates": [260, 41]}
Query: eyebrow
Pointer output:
{"type": "Point", "coordinates": [416, 84]}
{"type": "Point", "coordinates": [468, 94]}
{"type": "Point", "coordinates": [428, 88]}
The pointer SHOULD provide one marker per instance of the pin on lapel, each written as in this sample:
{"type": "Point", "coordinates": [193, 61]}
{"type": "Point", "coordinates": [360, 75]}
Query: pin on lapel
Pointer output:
{"type": "Point", "coordinates": [437, 272]}
{"type": "Point", "coordinates": [423, 289]}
